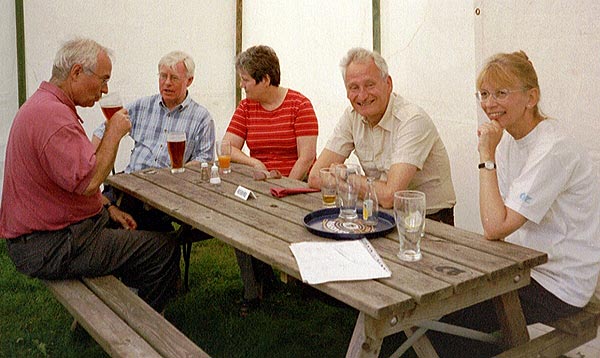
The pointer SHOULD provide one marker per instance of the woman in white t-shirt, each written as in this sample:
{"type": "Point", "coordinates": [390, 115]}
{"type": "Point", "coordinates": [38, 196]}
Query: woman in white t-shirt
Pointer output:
{"type": "Point", "coordinates": [537, 188]}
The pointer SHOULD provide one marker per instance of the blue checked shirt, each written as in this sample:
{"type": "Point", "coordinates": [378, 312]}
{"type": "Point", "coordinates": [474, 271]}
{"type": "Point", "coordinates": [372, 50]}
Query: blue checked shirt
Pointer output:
{"type": "Point", "coordinates": [150, 122]}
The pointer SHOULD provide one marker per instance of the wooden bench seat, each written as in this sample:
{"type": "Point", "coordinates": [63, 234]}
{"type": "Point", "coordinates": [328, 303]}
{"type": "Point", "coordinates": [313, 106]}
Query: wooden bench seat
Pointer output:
{"type": "Point", "coordinates": [121, 322]}
{"type": "Point", "coordinates": [568, 334]}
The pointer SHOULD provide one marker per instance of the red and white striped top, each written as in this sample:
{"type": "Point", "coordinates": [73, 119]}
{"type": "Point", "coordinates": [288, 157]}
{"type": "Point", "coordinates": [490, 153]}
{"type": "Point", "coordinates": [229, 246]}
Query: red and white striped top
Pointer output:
{"type": "Point", "coordinates": [271, 135]}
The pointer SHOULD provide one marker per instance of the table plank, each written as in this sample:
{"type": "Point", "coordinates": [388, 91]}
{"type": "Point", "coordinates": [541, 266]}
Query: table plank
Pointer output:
{"type": "Point", "coordinates": [527, 257]}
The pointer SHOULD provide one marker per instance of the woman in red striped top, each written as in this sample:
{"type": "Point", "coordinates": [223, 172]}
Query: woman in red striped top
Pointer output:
{"type": "Point", "coordinates": [280, 128]}
{"type": "Point", "coordinates": [278, 124]}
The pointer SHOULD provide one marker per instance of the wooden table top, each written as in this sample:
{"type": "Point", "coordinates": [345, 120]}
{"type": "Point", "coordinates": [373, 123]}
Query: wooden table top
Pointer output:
{"type": "Point", "coordinates": [458, 268]}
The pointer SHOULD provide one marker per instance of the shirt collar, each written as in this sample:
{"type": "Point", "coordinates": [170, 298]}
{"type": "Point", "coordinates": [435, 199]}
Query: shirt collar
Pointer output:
{"type": "Point", "coordinates": [181, 106]}
{"type": "Point", "coordinates": [386, 121]}
{"type": "Point", "coordinates": [61, 96]}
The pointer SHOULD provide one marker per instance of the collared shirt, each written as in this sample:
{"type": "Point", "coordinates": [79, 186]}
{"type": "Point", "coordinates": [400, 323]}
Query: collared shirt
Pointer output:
{"type": "Point", "coordinates": [50, 162]}
{"type": "Point", "coordinates": [150, 122]}
{"type": "Point", "coordinates": [405, 134]}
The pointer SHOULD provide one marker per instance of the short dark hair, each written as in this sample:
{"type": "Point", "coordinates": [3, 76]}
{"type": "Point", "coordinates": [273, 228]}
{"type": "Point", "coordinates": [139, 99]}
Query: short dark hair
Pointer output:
{"type": "Point", "coordinates": [260, 61]}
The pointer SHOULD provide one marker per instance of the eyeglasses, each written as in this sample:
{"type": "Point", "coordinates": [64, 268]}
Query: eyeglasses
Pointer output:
{"type": "Point", "coordinates": [499, 95]}
{"type": "Point", "coordinates": [164, 76]}
{"type": "Point", "coordinates": [104, 80]}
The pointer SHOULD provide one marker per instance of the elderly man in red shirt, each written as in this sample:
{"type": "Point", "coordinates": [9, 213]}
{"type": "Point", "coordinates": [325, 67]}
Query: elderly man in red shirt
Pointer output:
{"type": "Point", "coordinates": [52, 212]}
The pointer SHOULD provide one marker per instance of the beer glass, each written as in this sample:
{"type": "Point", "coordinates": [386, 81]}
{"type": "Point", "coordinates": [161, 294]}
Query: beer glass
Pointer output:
{"type": "Point", "coordinates": [409, 212]}
{"type": "Point", "coordinates": [110, 104]}
{"type": "Point", "coordinates": [176, 147]}
{"type": "Point", "coordinates": [328, 187]}
{"type": "Point", "coordinates": [347, 178]}
{"type": "Point", "coordinates": [224, 155]}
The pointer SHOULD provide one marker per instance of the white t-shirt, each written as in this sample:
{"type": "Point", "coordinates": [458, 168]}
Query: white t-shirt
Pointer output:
{"type": "Point", "coordinates": [550, 180]}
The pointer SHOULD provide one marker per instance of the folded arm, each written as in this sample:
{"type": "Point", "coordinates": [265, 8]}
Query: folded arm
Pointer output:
{"type": "Point", "coordinates": [307, 152]}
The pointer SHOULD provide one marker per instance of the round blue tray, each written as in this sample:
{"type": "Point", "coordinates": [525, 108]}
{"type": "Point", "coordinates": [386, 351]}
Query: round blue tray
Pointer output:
{"type": "Point", "coordinates": [314, 224]}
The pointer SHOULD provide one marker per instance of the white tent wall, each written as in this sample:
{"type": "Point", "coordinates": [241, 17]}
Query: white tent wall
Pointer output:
{"type": "Point", "coordinates": [430, 53]}
{"type": "Point", "coordinates": [433, 48]}
{"type": "Point", "coordinates": [139, 33]}
{"type": "Point", "coordinates": [8, 72]}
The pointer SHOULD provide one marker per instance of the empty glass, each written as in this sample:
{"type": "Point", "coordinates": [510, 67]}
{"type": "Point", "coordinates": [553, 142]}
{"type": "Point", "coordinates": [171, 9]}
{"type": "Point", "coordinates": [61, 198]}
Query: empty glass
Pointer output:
{"type": "Point", "coordinates": [347, 177]}
{"type": "Point", "coordinates": [409, 212]}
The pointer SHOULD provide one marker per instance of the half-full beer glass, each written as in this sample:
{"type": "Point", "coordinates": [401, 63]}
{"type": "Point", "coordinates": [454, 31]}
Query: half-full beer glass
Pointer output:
{"type": "Point", "coordinates": [347, 177]}
{"type": "Point", "coordinates": [176, 147]}
{"type": "Point", "coordinates": [110, 104]}
{"type": "Point", "coordinates": [409, 212]}
{"type": "Point", "coordinates": [328, 187]}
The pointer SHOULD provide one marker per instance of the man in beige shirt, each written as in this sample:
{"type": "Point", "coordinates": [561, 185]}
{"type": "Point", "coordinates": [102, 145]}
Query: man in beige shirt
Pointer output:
{"type": "Point", "coordinates": [395, 141]}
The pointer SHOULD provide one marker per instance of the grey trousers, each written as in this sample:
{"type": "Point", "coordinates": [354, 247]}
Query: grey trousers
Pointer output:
{"type": "Point", "coordinates": [148, 261]}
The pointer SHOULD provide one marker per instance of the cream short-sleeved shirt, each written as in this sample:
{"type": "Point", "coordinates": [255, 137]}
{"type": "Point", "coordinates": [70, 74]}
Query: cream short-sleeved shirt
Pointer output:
{"type": "Point", "coordinates": [405, 134]}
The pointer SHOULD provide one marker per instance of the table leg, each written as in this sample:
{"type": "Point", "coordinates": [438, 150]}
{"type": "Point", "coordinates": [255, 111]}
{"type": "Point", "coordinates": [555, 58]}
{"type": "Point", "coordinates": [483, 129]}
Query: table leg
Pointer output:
{"type": "Point", "coordinates": [512, 320]}
{"type": "Point", "coordinates": [366, 338]}
{"type": "Point", "coordinates": [422, 346]}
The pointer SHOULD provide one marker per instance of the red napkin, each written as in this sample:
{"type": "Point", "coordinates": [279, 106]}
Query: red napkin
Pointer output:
{"type": "Point", "coordinates": [281, 192]}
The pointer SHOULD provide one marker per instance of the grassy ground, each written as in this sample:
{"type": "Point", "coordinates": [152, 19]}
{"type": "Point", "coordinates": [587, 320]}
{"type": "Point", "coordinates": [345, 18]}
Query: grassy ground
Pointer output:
{"type": "Point", "coordinates": [289, 323]}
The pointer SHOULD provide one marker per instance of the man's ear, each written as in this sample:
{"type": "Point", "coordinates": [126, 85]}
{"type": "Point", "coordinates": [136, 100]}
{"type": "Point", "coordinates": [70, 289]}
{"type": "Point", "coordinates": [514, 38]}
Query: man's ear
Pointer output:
{"type": "Point", "coordinates": [76, 70]}
{"type": "Point", "coordinates": [189, 81]}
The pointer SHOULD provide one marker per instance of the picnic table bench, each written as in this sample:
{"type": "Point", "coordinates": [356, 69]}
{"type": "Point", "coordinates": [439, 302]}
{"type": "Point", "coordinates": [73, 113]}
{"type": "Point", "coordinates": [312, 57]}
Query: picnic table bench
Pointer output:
{"type": "Point", "coordinates": [120, 321]}
{"type": "Point", "coordinates": [568, 334]}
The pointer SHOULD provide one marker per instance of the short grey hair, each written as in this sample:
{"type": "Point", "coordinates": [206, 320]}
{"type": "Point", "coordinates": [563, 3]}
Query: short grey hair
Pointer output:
{"type": "Point", "coordinates": [361, 55]}
{"type": "Point", "coordinates": [77, 51]}
{"type": "Point", "coordinates": [173, 58]}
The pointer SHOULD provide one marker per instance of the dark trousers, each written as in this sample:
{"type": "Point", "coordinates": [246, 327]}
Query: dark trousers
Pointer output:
{"type": "Point", "coordinates": [148, 261]}
{"type": "Point", "coordinates": [255, 274]}
{"type": "Point", "coordinates": [445, 216]}
{"type": "Point", "coordinates": [539, 306]}
{"type": "Point", "coordinates": [147, 218]}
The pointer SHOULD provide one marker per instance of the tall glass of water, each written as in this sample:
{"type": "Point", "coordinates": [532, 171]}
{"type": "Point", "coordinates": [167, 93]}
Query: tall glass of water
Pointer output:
{"type": "Point", "coordinates": [409, 212]}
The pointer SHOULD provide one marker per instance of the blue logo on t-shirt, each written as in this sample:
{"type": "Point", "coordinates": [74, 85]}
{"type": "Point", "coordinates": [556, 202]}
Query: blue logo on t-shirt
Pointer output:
{"type": "Point", "coordinates": [525, 198]}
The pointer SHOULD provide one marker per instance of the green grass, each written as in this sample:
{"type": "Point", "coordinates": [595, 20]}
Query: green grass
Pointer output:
{"type": "Point", "coordinates": [288, 324]}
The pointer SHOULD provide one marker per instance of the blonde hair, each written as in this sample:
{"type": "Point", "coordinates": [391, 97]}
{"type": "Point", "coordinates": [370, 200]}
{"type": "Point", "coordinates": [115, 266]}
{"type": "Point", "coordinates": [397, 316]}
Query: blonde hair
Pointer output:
{"type": "Point", "coordinates": [509, 69]}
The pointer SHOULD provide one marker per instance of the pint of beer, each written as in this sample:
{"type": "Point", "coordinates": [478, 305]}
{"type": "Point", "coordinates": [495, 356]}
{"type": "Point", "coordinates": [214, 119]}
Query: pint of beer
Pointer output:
{"type": "Point", "coordinates": [110, 104]}
{"type": "Point", "coordinates": [176, 147]}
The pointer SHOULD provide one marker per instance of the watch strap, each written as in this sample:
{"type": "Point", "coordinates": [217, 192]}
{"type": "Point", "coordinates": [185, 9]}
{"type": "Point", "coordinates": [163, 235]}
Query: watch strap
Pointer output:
{"type": "Point", "coordinates": [489, 165]}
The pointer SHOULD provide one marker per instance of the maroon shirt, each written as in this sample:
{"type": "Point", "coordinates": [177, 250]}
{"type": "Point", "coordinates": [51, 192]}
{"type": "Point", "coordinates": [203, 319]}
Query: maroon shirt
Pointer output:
{"type": "Point", "coordinates": [49, 164]}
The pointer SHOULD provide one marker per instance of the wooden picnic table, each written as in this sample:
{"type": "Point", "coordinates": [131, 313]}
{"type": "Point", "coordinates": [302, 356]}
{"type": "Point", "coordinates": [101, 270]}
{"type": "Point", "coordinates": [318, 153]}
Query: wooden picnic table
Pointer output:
{"type": "Point", "coordinates": [458, 269]}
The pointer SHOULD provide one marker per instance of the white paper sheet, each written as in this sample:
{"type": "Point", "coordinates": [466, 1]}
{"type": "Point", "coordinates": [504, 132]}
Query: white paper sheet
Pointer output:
{"type": "Point", "coordinates": [321, 262]}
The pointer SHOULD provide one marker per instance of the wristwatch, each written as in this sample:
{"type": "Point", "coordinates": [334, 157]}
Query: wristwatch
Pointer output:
{"type": "Point", "coordinates": [108, 205]}
{"type": "Point", "coordinates": [489, 165]}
